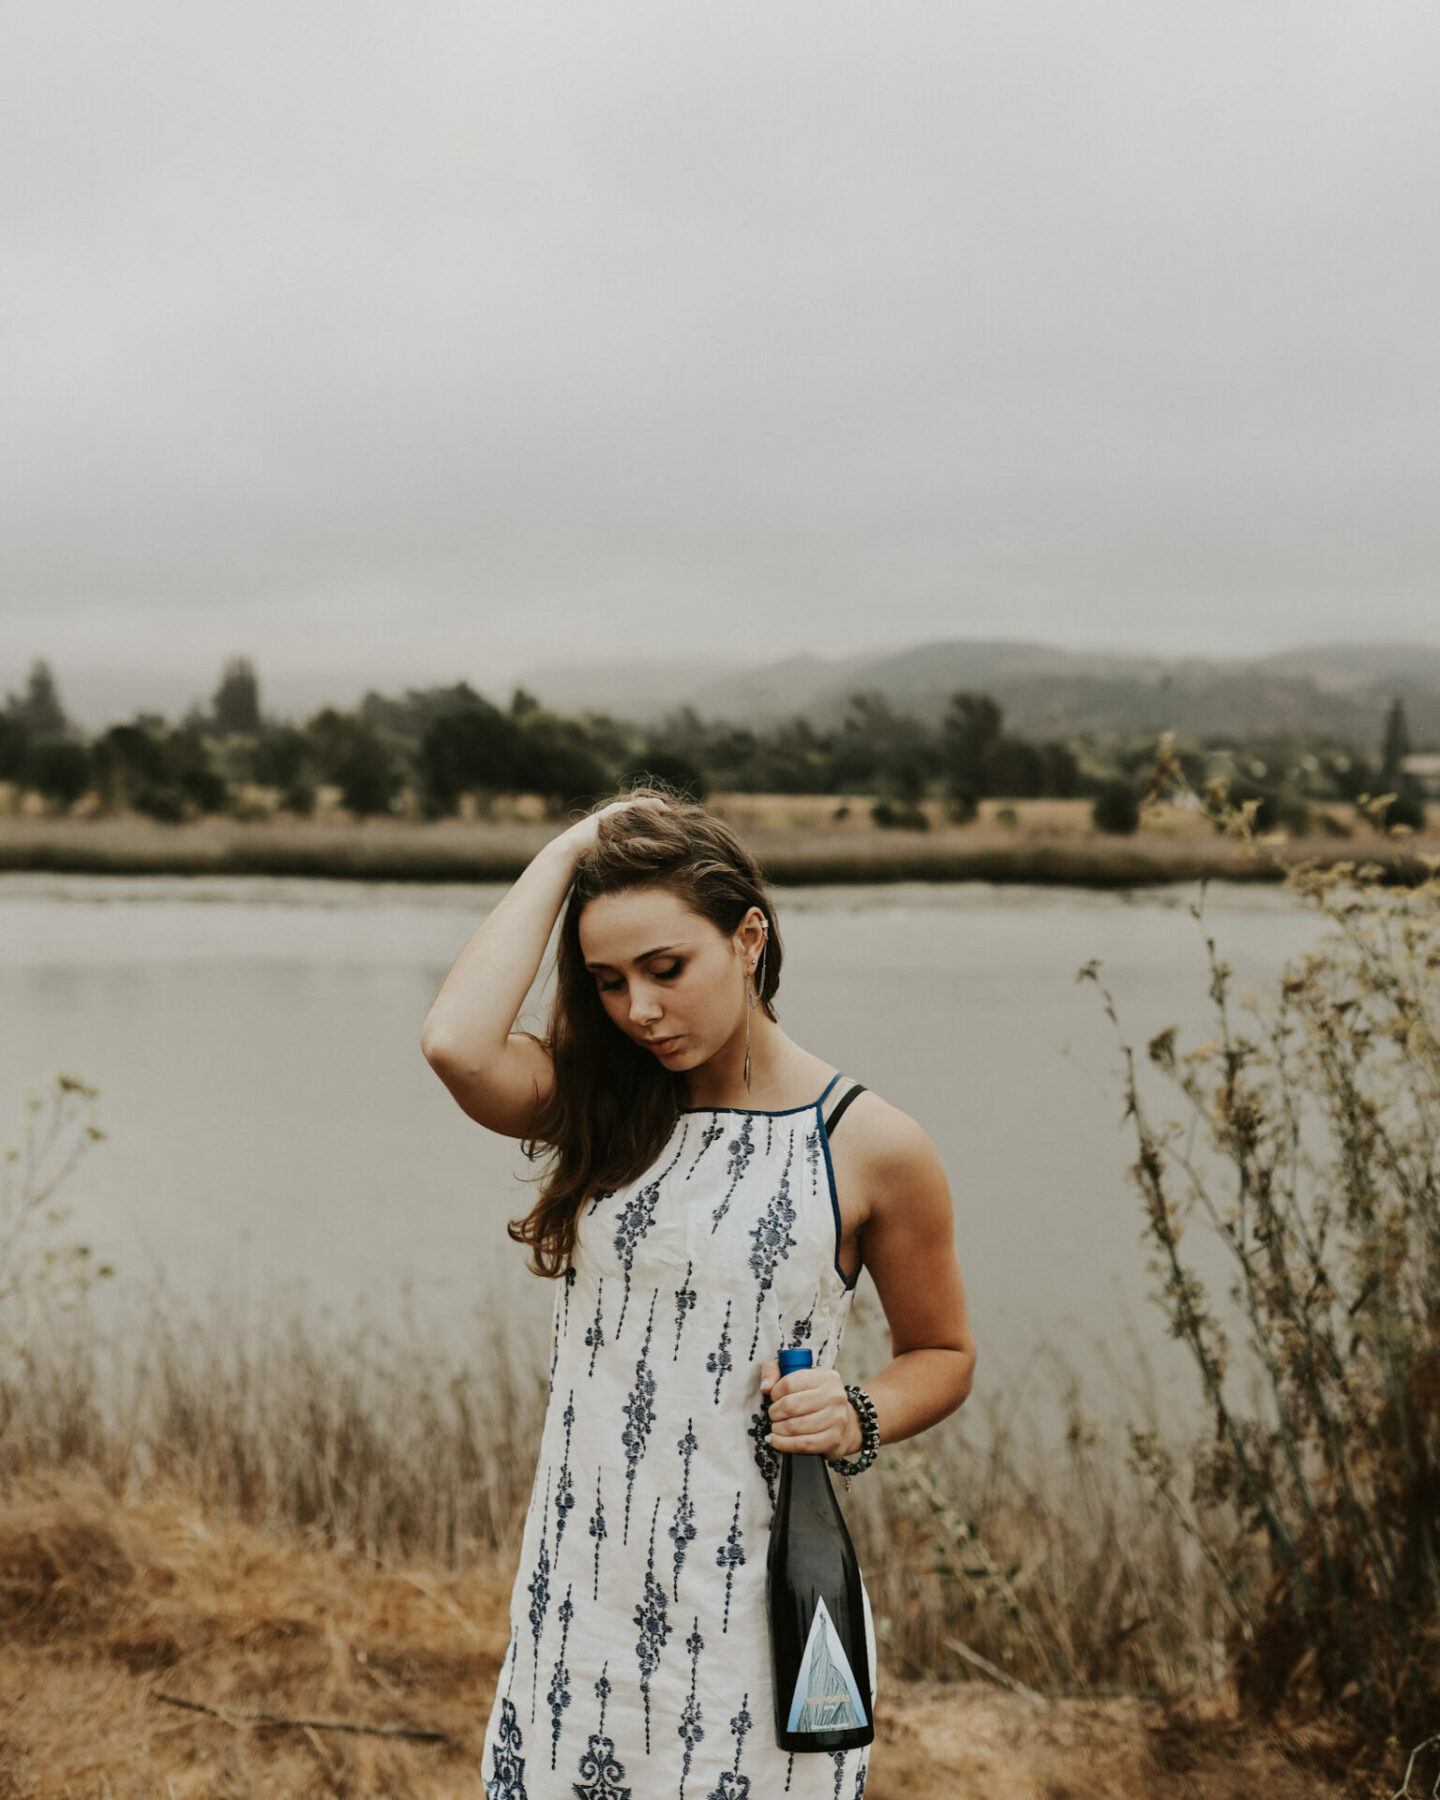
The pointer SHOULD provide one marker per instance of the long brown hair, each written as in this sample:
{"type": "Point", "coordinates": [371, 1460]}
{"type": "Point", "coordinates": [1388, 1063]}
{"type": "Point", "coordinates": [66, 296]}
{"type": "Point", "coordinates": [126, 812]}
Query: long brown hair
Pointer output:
{"type": "Point", "coordinates": [613, 1106]}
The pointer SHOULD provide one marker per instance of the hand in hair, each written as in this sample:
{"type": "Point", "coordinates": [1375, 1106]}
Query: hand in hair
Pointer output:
{"type": "Point", "coordinates": [583, 832]}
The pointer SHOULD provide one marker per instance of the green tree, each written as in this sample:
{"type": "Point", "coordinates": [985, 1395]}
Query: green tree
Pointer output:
{"type": "Point", "coordinates": [60, 770]}
{"type": "Point", "coordinates": [1060, 772]}
{"type": "Point", "coordinates": [1013, 767]}
{"type": "Point", "coordinates": [972, 724]}
{"type": "Point", "coordinates": [1116, 809]}
{"type": "Point", "coordinates": [880, 749]}
{"type": "Point", "coordinates": [281, 756]}
{"type": "Point", "coordinates": [473, 748]}
{"type": "Point", "coordinates": [14, 749]}
{"type": "Point", "coordinates": [165, 773]}
{"type": "Point", "coordinates": [1397, 744]}
{"type": "Point", "coordinates": [556, 759]}
{"type": "Point", "coordinates": [38, 709]}
{"type": "Point", "coordinates": [237, 700]}
{"type": "Point", "coordinates": [368, 772]}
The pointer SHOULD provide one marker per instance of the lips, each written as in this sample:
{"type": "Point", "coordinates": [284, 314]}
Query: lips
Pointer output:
{"type": "Point", "coordinates": [660, 1045]}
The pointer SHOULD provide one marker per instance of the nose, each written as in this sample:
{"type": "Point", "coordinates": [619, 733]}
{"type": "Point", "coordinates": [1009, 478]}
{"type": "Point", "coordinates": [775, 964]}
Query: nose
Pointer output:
{"type": "Point", "coordinates": [644, 1004]}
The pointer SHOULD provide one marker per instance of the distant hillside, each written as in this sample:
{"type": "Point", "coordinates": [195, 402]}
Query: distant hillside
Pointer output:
{"type": "Point", "coordinates": [1339, 690]}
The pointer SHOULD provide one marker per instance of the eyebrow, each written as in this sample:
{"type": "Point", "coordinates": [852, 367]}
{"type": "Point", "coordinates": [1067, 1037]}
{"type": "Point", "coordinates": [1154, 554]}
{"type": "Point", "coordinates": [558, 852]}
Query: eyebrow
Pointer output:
{"type": "Point", "coordinates": [645, 957]}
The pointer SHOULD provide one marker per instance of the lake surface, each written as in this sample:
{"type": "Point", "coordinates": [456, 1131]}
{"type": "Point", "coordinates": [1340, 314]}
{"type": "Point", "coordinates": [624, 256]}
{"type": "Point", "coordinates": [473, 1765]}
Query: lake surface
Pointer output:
{"type": "Point", "coordinates": [274, 1130]}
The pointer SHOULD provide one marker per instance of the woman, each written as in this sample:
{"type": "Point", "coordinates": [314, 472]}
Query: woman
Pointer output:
{"type": "Point", "coordinates": [696, 1216]}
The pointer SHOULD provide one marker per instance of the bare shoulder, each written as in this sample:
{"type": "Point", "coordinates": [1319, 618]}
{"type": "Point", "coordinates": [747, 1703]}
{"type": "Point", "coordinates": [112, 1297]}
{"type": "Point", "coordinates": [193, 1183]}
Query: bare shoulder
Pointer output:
{"type": "Point", "coordinates": [888, 1143]}
{"type": "Point", "coordinates": [891, 1169]}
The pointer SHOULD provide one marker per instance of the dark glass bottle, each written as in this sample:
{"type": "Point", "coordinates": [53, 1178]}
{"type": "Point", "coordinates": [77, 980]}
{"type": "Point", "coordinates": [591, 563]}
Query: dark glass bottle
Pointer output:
{"type": "Point", "coordinates": [818, 1648]}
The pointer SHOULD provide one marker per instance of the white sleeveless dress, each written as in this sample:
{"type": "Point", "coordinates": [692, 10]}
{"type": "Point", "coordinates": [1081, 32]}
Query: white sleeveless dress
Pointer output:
{"type": "Point", "coordinates": [638, 1666]}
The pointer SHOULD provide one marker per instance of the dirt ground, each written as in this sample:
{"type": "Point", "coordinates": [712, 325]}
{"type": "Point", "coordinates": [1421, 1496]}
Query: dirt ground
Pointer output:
{"type": "Point", "coordinates": [112, 1614]}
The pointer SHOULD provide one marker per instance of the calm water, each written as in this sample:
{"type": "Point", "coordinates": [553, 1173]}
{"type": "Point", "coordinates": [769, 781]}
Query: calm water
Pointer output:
{"type": "Point", "coordinates": [273, 1126]}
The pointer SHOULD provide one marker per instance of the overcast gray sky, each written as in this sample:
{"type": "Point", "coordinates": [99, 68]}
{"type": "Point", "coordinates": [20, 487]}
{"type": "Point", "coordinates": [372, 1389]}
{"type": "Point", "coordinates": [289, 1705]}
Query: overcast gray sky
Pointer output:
{"type": "Point", "coordinates": [395, 344]}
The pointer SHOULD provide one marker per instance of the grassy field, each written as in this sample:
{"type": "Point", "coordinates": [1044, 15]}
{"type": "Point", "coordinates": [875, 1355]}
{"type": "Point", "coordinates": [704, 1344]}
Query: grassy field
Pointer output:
{"type": "Point", "coordinates": [120, 1617]}
{"type": "Point", "coordinates": [1051, 841]}
{"type": "Point", "coordinates": [203, 1521]}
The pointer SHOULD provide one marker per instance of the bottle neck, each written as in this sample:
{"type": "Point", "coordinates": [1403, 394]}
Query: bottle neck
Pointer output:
{"type": "Point", "coordinates": [805, 1473]}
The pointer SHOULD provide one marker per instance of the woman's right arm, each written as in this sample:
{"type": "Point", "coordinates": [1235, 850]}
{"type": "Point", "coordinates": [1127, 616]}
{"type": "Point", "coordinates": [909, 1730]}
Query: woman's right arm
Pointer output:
{"type": "Point", "coordinates": [499, 1076]}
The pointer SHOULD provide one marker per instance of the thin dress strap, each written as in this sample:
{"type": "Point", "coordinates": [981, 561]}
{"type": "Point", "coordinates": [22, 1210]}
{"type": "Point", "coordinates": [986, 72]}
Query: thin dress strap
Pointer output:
{"type": "Point", "coordinates": [837, 1111]}
{"type": "Point", "coordinates": [837, 1076]}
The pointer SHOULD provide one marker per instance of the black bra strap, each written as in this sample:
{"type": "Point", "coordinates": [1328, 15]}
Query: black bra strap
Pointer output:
{"type": "Point", "coordinates": [840, 1106]}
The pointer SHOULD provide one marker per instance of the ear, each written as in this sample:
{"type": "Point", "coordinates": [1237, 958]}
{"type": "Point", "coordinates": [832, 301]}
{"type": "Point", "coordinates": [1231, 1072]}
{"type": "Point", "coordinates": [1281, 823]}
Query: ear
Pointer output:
{"type": "Point", "coordinates": [750, 935]}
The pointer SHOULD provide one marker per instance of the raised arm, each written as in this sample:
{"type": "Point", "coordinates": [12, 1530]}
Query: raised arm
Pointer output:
{"type": "Point", "coordinates": [499, 1076]}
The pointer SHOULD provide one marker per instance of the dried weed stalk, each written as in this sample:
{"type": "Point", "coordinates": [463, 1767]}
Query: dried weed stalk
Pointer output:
{"type": "Point", "coordinates": [1309, 1144]}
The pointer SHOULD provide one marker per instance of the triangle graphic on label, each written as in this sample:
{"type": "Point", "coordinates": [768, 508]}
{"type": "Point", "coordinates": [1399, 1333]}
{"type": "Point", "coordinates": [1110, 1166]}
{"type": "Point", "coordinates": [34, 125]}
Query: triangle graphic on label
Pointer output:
{"type": "Point", "coordinates": [826, 1697]}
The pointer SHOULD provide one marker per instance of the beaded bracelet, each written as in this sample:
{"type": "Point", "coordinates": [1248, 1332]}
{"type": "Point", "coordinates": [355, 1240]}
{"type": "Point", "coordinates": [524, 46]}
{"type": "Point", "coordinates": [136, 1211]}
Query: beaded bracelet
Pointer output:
{"type": "Point", "coordinates": [869, 1434]}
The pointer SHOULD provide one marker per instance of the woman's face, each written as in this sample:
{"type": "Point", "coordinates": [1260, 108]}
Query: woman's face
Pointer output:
{"type": "Point", "coordinates": [665, 975]}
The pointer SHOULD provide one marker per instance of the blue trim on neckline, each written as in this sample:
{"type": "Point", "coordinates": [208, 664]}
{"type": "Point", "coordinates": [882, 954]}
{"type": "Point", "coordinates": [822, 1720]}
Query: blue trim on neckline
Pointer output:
{"type": "Point", "coordinates": [758, 1112]}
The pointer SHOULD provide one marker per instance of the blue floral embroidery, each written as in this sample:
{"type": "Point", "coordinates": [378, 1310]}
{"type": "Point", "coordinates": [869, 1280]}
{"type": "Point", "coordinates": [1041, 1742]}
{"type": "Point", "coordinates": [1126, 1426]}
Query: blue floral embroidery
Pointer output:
{"type": "Point", "coordinates": [682, 1531]}
{"type": "Point", "coordinates": [769, 1134]}
{"type": "Point", "coordinates": [860, 1782]}
{"type": "Point", "coordinates": [653, 1623]}
{"type": "Point", "coordinates": [812, 1156]}
{"type": "Point", "coordinates": [719, 1362]}
{"type": "Point", "coordinates": [564, 1484]}
{"type": "Point", "coordinates": [685, 1298]}
{"type": "Point", "coordinates": [636, 1217]}
{"type": "Point", "coordinates": [767, 1457]}
{"type": "Point", "coordinates": [800, 1331]}
{"type": "Point", "coordinates": [690, 1729]}
{"type": "Point", "coordinates": [597, 1531]}
{"type": "Point", "coordinates": [732, 1785]}
{"type": "Point", "coordinates": [640, 1412]}
{"type": "Point", "coordinates": [742, 1148]}
{"type": "Point", "coordinates": [540, 1595]}
{"type": "Point", "coordinates": [562, 1326]}
{"type": "Point", "coordinates": [839, 1758]}
{"type": "Point", "coordinates": [601, 1771]}
{"type": "Point", "coordinates": [595, 1331]}
{"type": "Point", "coordinates": [772, 1241]}
{"type": "Point", "coordinates": [730, 1557]}
{"type": "Point", "coordinates": [559, 1695]}
{"type": "Point", "coordinates": [507, 1780]}
{"type": "Point", "coordinates": [602, 1774]}
{"type": "Point", "coordinates": [789, 1771]}
{"type": "Point", "coordinates": [712, 1134]}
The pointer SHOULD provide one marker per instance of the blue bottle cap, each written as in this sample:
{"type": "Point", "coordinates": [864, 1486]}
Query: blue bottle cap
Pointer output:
{"type": "Point", "coordinates": [796, 1359]}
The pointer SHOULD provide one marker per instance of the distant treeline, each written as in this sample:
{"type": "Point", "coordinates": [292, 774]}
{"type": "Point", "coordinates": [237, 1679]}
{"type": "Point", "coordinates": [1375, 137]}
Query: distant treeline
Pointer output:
{"type": "Point", "coordinates": [439, 744]}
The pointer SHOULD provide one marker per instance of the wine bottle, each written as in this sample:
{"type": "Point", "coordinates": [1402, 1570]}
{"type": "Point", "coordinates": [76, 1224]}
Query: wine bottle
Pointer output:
{"type": "Point", "coordinates": [818, 1646]}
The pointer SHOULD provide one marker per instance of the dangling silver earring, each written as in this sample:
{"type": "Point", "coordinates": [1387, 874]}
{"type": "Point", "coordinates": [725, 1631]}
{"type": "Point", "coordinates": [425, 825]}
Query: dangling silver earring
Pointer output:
{"type": "Point", "coordinates": [753, 991]}
{"type": "Point", "coordinates": [749, 1002]}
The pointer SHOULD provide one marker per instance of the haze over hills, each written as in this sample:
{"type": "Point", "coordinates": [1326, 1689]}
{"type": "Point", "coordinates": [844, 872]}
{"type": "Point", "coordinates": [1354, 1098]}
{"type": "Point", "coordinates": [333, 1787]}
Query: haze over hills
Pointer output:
{"type": "Point", "coordinates": [1330, 690]}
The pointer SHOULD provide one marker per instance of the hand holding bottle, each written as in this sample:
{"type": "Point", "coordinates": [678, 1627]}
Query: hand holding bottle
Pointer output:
{"type": "Point", "coordinates": [810, 1412]}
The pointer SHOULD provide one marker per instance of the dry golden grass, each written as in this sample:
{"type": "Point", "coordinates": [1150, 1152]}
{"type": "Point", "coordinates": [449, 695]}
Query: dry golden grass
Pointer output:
{"type": "Point", "coordinates": [1052, 843]}
{"type": "Point", "coordinates": [107, 1605]}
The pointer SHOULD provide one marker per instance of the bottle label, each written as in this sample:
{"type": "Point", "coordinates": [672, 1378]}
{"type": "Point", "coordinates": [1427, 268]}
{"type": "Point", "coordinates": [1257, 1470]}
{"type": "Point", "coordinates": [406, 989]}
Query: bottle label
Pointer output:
{"type": "Point", "coordinates": [826, 1697]}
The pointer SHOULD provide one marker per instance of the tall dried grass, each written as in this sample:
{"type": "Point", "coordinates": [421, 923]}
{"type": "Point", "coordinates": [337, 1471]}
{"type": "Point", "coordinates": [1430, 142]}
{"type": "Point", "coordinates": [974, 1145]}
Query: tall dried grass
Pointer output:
{"type": "Point", "coordinates": [1309, 1142]}
{"type": "Point", "coordinates": [986, 1551]}
{"type": "Point", "coordinates": [450, 850]}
